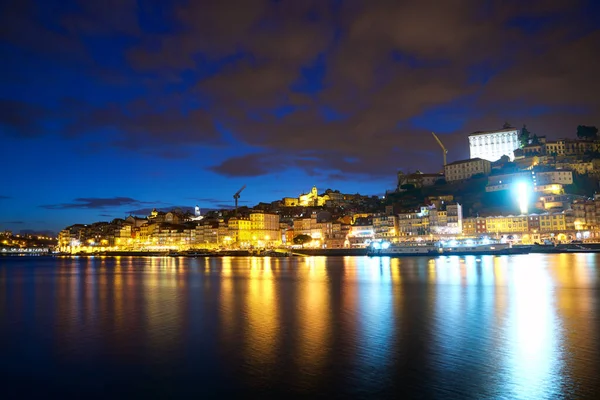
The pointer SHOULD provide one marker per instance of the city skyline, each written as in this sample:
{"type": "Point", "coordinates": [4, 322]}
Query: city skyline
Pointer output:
{"type": "Point", "coordinates": [106, 111]}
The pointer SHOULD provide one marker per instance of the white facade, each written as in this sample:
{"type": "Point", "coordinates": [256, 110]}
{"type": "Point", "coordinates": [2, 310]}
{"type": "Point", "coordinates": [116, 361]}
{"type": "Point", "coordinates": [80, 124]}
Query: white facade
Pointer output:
{"type": "Point", "coordinates": [492, 145]}
{"type": "Point", "coordinates": [461, 170]}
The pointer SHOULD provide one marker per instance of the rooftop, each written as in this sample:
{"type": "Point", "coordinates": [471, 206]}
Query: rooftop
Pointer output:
{"type": "Point", "coordinates": [477, 133]}
{"type": "Point", "coordinates": [465, 161]}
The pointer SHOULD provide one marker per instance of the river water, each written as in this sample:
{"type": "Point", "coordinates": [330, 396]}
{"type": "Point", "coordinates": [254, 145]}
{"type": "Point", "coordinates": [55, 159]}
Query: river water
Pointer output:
{"type": "Point", "coordinates": [525, 326]}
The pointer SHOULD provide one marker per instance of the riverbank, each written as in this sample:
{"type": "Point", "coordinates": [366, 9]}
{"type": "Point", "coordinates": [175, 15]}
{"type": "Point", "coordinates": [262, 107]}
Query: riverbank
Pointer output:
{"type": "Point", "coordinates": [535, 249]}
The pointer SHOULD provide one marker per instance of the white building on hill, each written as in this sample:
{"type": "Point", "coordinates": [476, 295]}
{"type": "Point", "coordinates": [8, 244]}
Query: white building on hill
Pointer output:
{"type": "Point", "coordinates": [492, 145]}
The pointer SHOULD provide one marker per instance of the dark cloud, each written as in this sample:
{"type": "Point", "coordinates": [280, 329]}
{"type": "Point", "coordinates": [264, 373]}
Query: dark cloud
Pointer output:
{"type": "Point", "coordinates": [38, 232]}
{"type": "Point", "coordinates": [147, 126]}
{"type": "Point", "coordinates": [331, 88]}
{"type": "Point", "coordinates": [14, 222]}
{"type": "Point", "coordinates": [95, 203]}
{"type": "Point", "coordinates": [147, 210]}
{"type": "Point", "coordinates": [5, 197]}
{"type": "Point", "coordinates": [22, 119]}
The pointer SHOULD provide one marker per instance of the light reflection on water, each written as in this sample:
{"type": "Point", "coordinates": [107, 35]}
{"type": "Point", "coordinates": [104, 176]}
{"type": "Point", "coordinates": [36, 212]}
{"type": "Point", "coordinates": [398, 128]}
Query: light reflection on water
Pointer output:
{"type": "Point", "coordinates": [524, 326]}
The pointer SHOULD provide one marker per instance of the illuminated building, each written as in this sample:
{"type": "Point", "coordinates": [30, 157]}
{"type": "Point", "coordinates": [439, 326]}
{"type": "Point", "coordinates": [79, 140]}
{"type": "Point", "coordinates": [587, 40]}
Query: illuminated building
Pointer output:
{"type": "Point", "coordinates": [474, 226]}
{"type": "Point", "coordinates": [552, 222]}
{"type": "Point", "coordinates": [265, 227]}
{"type": "Point", "coordinates": [507, 224]}
{"type": "Point", "coordinates": [385, 227]}
{"type": "Point", "coordinates": [260, 229]}
{"type": "Point", "coordinates": [311, 199]}
{"type": "Point", "coordinates": [360, 235]}
{"type": "Point", "coordinates": [414, 223]}
{"type": "Point", "coordinates": [454, 218]}
{"type": "Point", "coordinates": [492, 145]}
{"type": "Point", "coordinates": [290, 201]}
{"type": "Point", "coordinates": [465, 169]}
{"type": "Point", "coordinates": [558, 176]}
{"type": "Point", "coordinates": [321, 229]}
{"type": "Point", "coordinates": [579, 167]}
{"type": "Point", "coordinates": [507, 181]}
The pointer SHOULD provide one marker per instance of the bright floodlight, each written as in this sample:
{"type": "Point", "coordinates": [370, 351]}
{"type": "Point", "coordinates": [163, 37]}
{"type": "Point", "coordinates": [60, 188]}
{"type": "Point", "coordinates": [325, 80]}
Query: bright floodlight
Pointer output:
{"type": "Point", "coordinates": [523, 196]}
{"type": "Point", "coordinates": [385, 245]}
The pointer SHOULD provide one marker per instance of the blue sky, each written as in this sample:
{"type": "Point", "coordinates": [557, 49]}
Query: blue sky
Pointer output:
{"type": "Point", "coordinates": [108, 108]}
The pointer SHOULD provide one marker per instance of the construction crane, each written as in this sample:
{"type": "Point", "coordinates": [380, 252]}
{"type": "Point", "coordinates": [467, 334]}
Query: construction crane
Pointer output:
{"type": "Point", "coordinates": [441, 145]}
{"type": "Point", "coordinates": [236, 196]}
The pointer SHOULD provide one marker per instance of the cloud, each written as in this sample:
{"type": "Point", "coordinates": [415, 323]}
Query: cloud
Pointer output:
{"type": "Point", "coordinates": [316, 83]}
{"type": "Point", "coordinates": [14, 222]}
{"type": "Point", "coordinates": [37, 232]}
{"type": "Point", "coordinates": [5, 197]}
{"type": "Point", "coordinates": [147, 210]}
{"type": "Point", "coordinates": [95, 203]}
{"type": "Point", "coordinates": [144, 125]}
{"type": "Point", "coordinates": [21, 119]}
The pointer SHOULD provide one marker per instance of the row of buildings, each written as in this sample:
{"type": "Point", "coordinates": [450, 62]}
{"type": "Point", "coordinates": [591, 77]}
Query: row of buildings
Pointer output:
{"type": "Point", "coordinates": [500, 157]}
{"type": "Point", "coordinates": [488, 149]}
{"type": "Point", "coordinates": [263, 230]}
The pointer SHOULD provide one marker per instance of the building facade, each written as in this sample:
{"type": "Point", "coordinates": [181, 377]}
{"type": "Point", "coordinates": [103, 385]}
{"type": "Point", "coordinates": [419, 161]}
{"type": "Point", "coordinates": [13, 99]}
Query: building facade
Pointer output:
{"type": "Point", "coordinates": [464, 169]}
{"type": "Point", "coordinates": [492, 145]}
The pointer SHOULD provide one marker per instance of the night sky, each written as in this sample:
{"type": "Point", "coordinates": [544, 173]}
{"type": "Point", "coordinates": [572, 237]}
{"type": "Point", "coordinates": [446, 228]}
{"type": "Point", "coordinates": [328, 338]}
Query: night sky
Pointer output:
{"type": "Point", "coordinates": [117, 106]}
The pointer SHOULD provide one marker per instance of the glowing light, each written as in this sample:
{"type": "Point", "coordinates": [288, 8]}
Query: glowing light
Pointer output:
{"type": "Point", "coordinates": [522, 191]}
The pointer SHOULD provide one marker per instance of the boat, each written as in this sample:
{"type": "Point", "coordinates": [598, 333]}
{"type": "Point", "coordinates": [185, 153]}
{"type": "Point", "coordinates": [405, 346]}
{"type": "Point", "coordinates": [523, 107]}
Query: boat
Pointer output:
{"type": "Point", "coordinates": [403, 249]}
{"type": "Point", "coordinates": [451, 248]}
{"type": "Point", "coordinates": [480, 247]}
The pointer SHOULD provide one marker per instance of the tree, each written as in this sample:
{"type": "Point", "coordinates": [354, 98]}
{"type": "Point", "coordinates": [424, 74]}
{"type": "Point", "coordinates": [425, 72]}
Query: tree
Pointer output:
{"type": "Point", "coordinates": [535, 140]}
{"type": "Point", "coordinates": [302, 239]}
{"type": "Point", "coordinates": [440, 182]}
{"type": "Point", "coordinates": [407, 186]}
{"type": "Point", "coordinates": [524, 136]}
{"type": "Point", "coordinates": [504, 159]}
{"type": "Point", "coordinates": [587, 132]}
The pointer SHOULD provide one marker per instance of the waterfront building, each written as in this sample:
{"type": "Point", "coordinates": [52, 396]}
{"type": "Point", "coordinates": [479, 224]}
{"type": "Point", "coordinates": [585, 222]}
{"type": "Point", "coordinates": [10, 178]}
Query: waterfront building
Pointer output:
{"type": "Point", "coordinates": [552, 222]}
{"type": "Point", "coordinates": [469, 227]}
{"type": "Point", "coordinates": [465, 169]}
{"type": "Point", "coordinates": [586, 214]}
{"type": "Point", "coordinates": [259, 230]}
{"type": "Point", "coordinates": [414, 223]}
{"type": "Point", "coordinates": [507, 224]}
{"type": "Point", "coordinates": [385, 227]}
{"type": "Point", "coordinates": [447, 220]}
{"type": "Point", "coordinates": [455, 218]}
{"type": "Point", "coordinates": [492, 145]}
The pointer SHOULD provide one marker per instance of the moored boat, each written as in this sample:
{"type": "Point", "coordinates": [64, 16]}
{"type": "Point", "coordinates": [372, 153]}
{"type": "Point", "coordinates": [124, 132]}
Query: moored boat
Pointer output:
{"type": "Point", "coordinates": [481, 247]}
{"type": "Point", "coordinates": [403, 249]}
{"type": "Point", "coordinates": [451, 248]}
